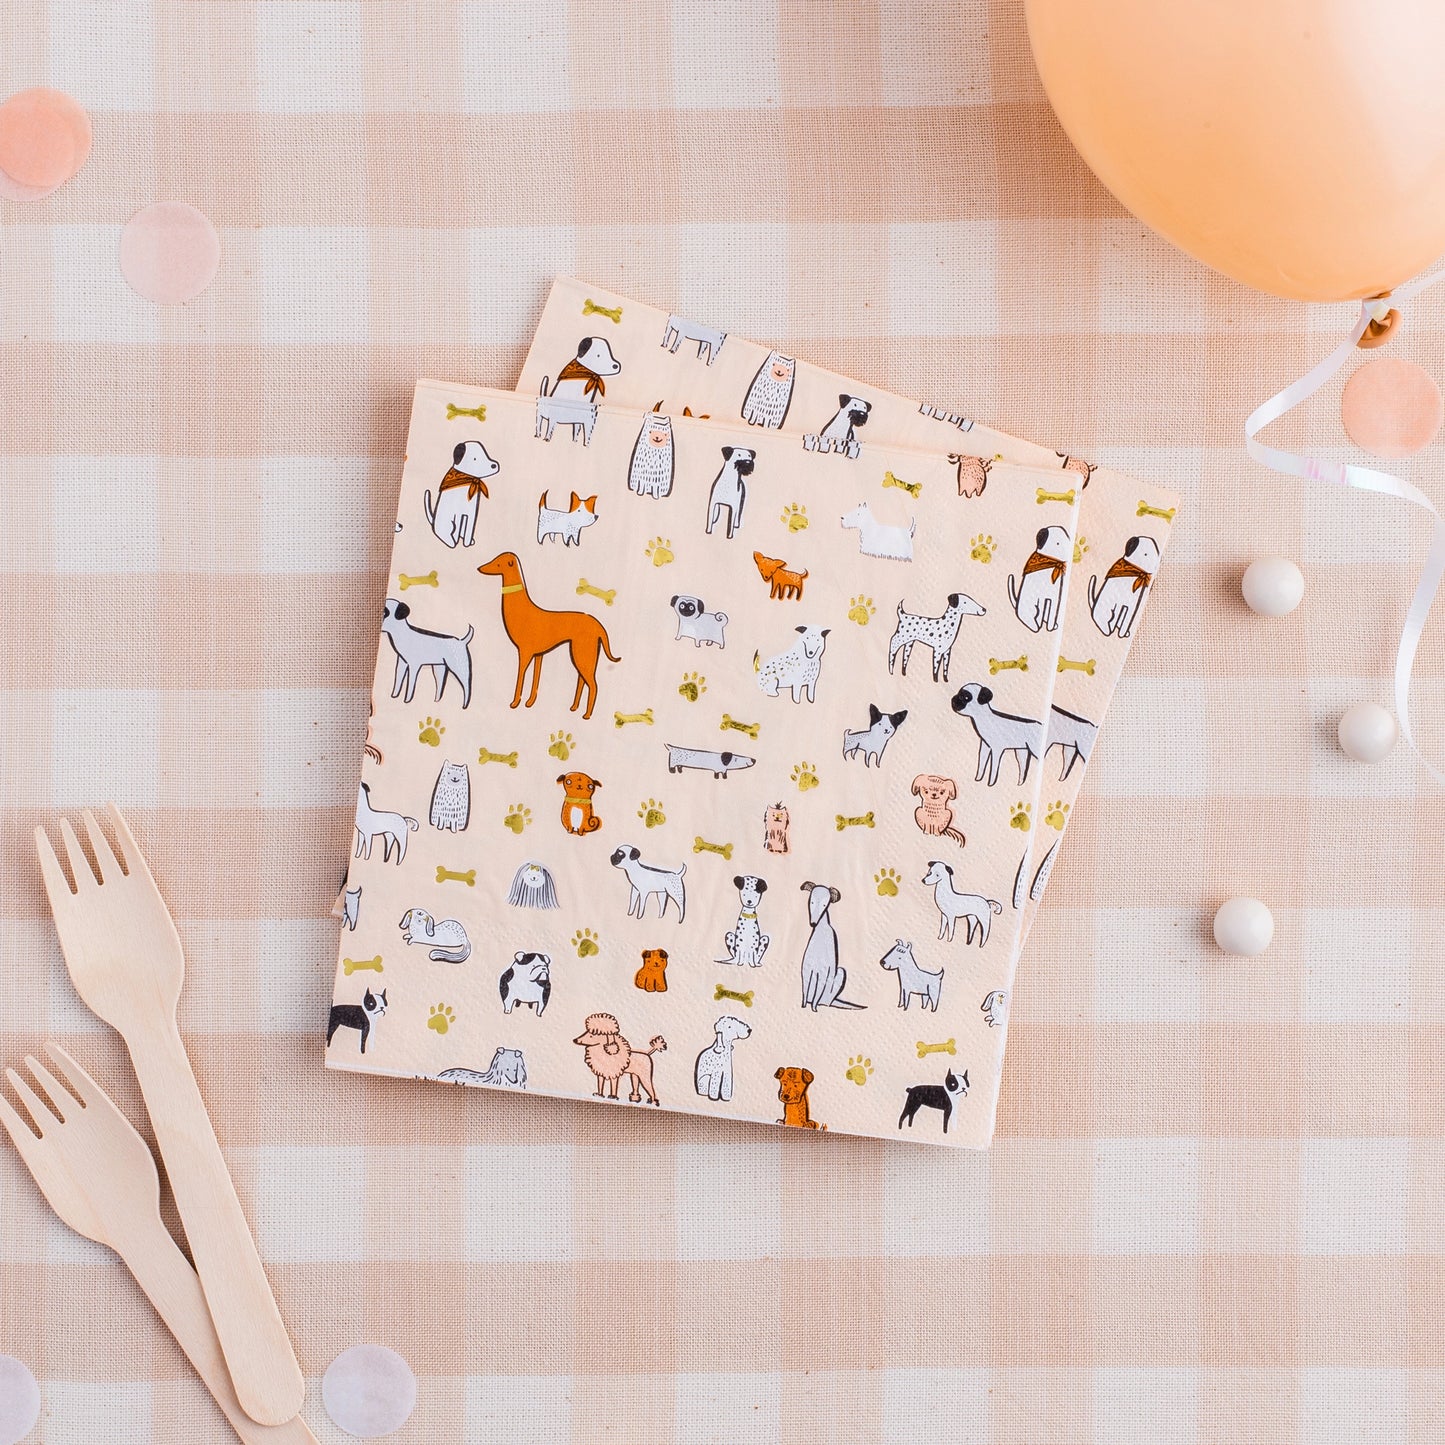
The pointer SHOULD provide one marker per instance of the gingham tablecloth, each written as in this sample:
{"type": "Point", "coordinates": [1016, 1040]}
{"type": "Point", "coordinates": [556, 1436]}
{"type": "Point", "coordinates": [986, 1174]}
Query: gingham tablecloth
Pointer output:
{"type": "Point", "coordinates": [1214, 1211]}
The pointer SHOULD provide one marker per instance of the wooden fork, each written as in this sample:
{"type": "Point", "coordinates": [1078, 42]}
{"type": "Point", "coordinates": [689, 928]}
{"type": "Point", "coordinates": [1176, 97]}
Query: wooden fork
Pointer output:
{"type": "Point", "coordinates": [125, 960]}
{"type": "Point", "coordinates": [101, 1180]}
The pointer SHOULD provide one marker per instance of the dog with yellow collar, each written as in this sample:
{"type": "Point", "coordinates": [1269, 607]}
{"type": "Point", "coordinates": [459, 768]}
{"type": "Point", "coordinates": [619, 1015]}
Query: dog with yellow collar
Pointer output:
{"type": "Point", "coordinates": [747, 943]}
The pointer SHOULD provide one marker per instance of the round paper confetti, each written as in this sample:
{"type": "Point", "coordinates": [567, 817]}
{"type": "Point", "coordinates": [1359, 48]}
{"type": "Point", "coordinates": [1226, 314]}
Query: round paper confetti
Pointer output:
{"type": "Point", "coordinates": [369, 1391]}
{"type": "Point", "coordinates": [14, 191]}
{"type": "Point", "coordinates": [1391, 407]}
{"type": "Point", "coordinates": [169, 252]}
{"type": "Point", "coordinates": [19, 1401]}
{"type": "Point", "coordinates": [44, 137]}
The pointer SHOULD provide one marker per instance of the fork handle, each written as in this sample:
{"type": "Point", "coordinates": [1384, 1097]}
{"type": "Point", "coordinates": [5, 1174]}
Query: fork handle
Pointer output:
{"type": "Point", "coordinates": [170, 1284]}
{"type": "Point", "coordinates": [262, 1364]}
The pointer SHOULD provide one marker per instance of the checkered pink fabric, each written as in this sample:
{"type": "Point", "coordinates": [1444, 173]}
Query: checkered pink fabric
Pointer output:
{"type": "Point", "coordinates": [1214, 1210]}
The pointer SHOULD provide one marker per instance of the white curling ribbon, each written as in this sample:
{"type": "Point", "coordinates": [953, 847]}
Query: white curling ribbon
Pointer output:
{"type": "Point", "coordinates": [1365, 479]}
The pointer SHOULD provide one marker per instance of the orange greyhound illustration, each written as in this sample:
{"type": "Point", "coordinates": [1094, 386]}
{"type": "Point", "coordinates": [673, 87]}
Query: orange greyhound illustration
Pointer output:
{"type": "Point", "coordinates": [535, 631]}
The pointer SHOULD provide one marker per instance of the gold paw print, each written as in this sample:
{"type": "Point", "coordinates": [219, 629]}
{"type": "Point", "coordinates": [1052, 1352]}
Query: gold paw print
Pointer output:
{"type": "Point", "coordinates": [660, 551]}
{"type": "Point", "coordinates": [887, 881]}
{"type": "Point", "coordinates": [562, 744]}
{"type": "Point", "coordinates": [431, 732]}
{"type": "Point", "coordinates": [692, 686]}
{"type": "Point", "coordinates": [858, 1069]}
{"type": "Point", "coordinates": [1080, 547]}
{"type": "Point", "coordinates": [1019, 817]}
{"type": "Point", "coordinates": [861, 610]}
{"type": "Point", "coordinates": [982, 548]}
{"type": "Point", "coordinates": [651, 813]}
{"type": "Point", "coordinates": [586, 943]}
{"type": "Point", "coordinates": [795, 517]}
{"type": "Point", "coordinates": [518, 816]}
{"type": "Point", "coordinates": [805, 776]}
{"type": "Point", "coordinates": [1057, 816]}
{"type": "Point", "coordinates": [441, 1017]}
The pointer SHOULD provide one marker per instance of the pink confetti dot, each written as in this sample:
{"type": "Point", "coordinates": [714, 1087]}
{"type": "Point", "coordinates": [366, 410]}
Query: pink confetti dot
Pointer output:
{"type": "Point", "coordinates": [11, 190]}
{"type": "Point", "coordinates": [369, 1391]}
{"type": "Point", "coordinates": [1391, 407]}
{"type": "Point", "coordinates": [169, 252]}
{"type": "Point", "coordinates": [19, 1401]}
{"type": "Point", "coordinates": [44, 138]}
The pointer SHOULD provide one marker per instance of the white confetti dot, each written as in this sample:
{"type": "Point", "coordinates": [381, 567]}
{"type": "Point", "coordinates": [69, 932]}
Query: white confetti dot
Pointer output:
{"type": "Point", "coordinates": [1244, 926]}
{"type": "Point", "coordinates": [19, 1400]}
{"type": "Point", "coordinates": [369, 1391]}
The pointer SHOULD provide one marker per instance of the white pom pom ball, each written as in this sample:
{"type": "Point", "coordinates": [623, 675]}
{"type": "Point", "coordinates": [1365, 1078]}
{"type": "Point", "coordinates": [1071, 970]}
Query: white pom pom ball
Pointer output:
{"type": "Point", "coordinates": [1243, 926]}
{"type": "Point", "coordinates": [1367, 732]}
{"type": "Point", "coordinates": [1272, 586]}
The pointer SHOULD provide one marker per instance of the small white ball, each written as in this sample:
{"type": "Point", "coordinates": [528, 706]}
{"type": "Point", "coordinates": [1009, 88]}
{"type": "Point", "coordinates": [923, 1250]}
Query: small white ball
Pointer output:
{"type": "Point", "coordinates": [1243, 926]}
{"type": "Point", "coordinates": [1272, 586]}
{"type": "Point", "coordinates": [1368, 732]}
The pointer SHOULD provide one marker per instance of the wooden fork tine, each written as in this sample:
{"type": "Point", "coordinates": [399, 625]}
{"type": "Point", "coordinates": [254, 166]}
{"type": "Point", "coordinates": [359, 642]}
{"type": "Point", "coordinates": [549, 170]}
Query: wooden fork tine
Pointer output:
{"type": "Point", "coordinates": [57, 885]}
{"type": "Point", "coordinates": [80, 868]}
{"type": "Point", "coordinates": [76, 1079]}
{"type": "Point", "coordinates": [21, 1135]}
{"type": "Point", "coordinates": [32, 1101]}
{"type": "Point", "coordinates": [60, 1099]}
{"type": "Point", "coordinates": [127, 849]}
{"type": "Point", "coordinates": [99, 845]}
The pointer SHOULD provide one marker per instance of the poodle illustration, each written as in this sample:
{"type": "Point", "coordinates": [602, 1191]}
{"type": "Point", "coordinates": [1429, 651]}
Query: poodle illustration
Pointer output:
{"type": "Point", "coordinates": [771, 392]}
{"type": "Point", "coordinates": [793, 1084]}
{"type": "Point", "coordinates": [610, 1057]}
{"type": "Point", "coordinates": [453, 516]}
{"type": "Point", "coordinates": [824, 977]}
{"type": "Point", "coordinates": [577, 815]}
{"type": "Point", "coordinates": [373, 823]}
{"type": "Point", "coordinates": [1037, 593]}
{"type": "Point", "coordinates": [535, 631]}
{"type": "Point", "coordinates": [713, 1072]}
{"type": "Point", "coordinates": [1114, 603]}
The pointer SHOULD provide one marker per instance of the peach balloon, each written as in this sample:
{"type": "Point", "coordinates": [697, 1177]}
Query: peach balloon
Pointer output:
{"type": "Point", "coordinates": [1296, 145]}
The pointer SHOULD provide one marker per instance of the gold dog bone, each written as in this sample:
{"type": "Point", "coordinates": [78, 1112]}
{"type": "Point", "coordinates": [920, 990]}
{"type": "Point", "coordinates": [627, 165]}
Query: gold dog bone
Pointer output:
{"type": "Point", "coordinates": [946, 1047]}
{"type": "Point", "coordinates": [623, 718]}
{"type": "Point", "coordinates": [469, 877]}
{"type": "Point", "coordinates": [912, 488]}
{"type": "Point", "coordinates": [700, 845]}
{"type": "Point", "coordinates": [430, 580]}
{"type": "Point", "coordinates": [612, 313]}
{"type": "Point", "coordinates": [1067, 664]}
{"type": "Point", "coordinates": [1145, 510]}
{"type": "Point", "coordinates": [352, 965]}
{"type": "Point", "coordinates": [746, 999]}
{"type": "Point", "coordinates": [586, 589]}
{"type": "Point", "coordinates": [1066, 497]}
{"type": "Point", "coordinates": [483, 756]}
{"type": "Point", "coordinates": [1000, 664]}
{"type": "Point", "coordinates": [751, 729]}
{"type": "Point", "coordinates": [480, 412]}
{"type": "Point", "coordinates": [866, 821]}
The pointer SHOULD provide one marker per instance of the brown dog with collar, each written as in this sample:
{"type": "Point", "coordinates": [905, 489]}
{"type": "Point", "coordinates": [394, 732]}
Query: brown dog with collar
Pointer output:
{"type": "Point", "coordinates": [793, 1091]}
{"type": "Point", "coordinates": [577, 814]}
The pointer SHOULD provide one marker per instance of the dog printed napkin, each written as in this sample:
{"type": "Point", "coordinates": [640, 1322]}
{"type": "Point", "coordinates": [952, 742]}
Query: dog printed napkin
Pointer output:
{"type": "Point", "coordinates": [701, 765]}
{"type": "Point", "coordinates": [1124, 524]}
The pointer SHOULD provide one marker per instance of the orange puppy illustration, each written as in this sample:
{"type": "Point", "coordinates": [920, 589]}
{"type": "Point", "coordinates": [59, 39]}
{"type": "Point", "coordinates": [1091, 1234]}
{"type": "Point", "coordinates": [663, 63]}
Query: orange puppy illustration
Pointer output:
{"type": "Point", "coordinates": [652, 976]}
{"type": "Point", "coordinates": [535, 631]}
{"type": "Point", "coordinates": [793, 1091]}
{"type": "Point", "coordinates": [577, 814]}
{"type": "Point", "coordinates": [933, 814]}
{"type": "Point", "coordinates": [782, 582]}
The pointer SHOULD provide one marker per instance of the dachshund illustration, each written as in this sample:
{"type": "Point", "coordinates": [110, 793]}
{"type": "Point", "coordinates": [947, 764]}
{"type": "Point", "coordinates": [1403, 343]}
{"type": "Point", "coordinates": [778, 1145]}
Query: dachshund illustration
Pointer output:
{"type": "Point", "coordinates": [577, 815]}
{"type": "Point", "coordinates": [933, 815]}
{"type": "Point", "coordinates": [793, 1092]}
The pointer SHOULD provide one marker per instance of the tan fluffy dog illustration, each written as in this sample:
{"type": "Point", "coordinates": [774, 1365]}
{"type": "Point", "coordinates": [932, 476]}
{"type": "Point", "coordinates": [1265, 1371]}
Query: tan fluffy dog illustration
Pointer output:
{"type": "Point", "coordinates": [783, 582]}
{"type": "Point", "coordinates": [972, 473]}
{"type": "Point", "coordinates": [610, 1056]}
{"type": "Point", "coordinates": [933, 814]}
{"type": "Point", "coordinates": [793, 1091]}
{"type": "Point", "coordinates": [652, 976]}
{"type": "Point", "coordinates": [577, 814]}
{"type": "Point", "coordinates": [536, 631]}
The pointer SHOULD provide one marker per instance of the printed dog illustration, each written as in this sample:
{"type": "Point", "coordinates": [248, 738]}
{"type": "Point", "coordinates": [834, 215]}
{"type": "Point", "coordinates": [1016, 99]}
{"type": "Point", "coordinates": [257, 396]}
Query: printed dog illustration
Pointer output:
{"type": "Point", "coordinates": [650, 881]}
{"type": "Point", "coordinates": [650, 471]}
{"type": "Point", "coordinates": [796, 669]}
{"type": "Point", "coordinates": [872, 740]}
{"type": "Point", "coordinates": [705, 760]}
{"type": "Point", "coordinates": [880, 539]}
{"type": "Point", "coordinates": [938, 634]}
{"type": "Point", "coordinates": [746, 942]}
{"type": "Point", "coordinates": [1114, 603]}
{"type": "Point", "coordinates": [911, 978]}
{"type": "Point", "coordinates": [999, 733]}
{"type": "Point", "coordinates": [793, 1085]}
{"type": "Point", "coordinates": [1072, 735]}
{"type": "Point", "coordinates": [975, 910]}
{"type": "Point", "coordinates": [581, 385]}
{"type": "Point", "coordinates": [1038, 593]}
{"type": "Point", "coordinates": [527, 980]}
{"type": "Point", "coordinates": [712, 1075]}
{"type": "Point", "coordinates": [610, 1057]}
{"type": "Point", "coordinates": [824, 977]}
{"type": "Point", "coordinates": [351, 908]}
{"type": "Point", "coordinates": [933, 815]}
{"type": "Point", "coordinates": [775, 828]}
{"type": "Point", "coordinates": [972, 473]}
{"type": "Point", "coordinates": [771, 392]}
{"type": "Point", "coordinates": [782, 581]}
{"type": "Point", "coordinates": [451, 798]}
{"type": "Point", "coordinates": [356, 1016]}
{"type": "Point", "coordinates": [934, 1096]}
{"type": "Point", "coordinates": [532, 885]}
{"type": "Point", "coordinates": [652, 976]}
{"type": "Point", "coordinates": [373, 823]}
{"type": "Point", "coordinates": [416, 648]}
{"type": "Point", "coordinates": [696, 622]}
{"type": "Point", "coordinates": [993, 1007]}
{"type": "Point", "coordinates": [729, 495]}
{"type": "Point", "coordinates": [453, 516]}
{"type": "Point", "coordinates": [708, 338]}
{"type": "Point", "coordinates": [577, 815]}
{"type": "Point", "coordinates": [508, 1070]}
{"type": "Point", "coordinates": [447, 940]}
{"type": "Point", "coordinates": [839, 435]}
{"type": "Point", "coordinates": [569, 525]}
{"type": "Point", "coordinates": [535, 631]}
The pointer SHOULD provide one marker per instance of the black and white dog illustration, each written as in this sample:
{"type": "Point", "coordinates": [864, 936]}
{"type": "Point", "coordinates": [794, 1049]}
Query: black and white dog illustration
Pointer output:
{"type": "Point", "coordinates": [839, 434]}
{"type": "Point", "coordinates": [938, 634]}
{"type": "Point", "coordinates": [705, 760]}
{"type": "Point", "coordinates": [796, 669]}
{"type": "Point", "coordinates": [650, 881]}
{"type": "Point", "coordinates": [581, 385]}
{"type": "Point", "coordinates": [994, 1006]}
{"type": "Point", "coordinates": [451, 798]}
{"type": "Point", "coordinates": [872, 740]}
{"type": "Point", "coordinates": [975, 910]}
{"type": "Point", "coordinates": [532, 887]}
{"type": "Point", "coordinates": [911, 978]}
{"type": "Point", "coordinates": [508, 1070]}
{"type": "Point", "coordinates": [746, 942]}
{"type": "Point", "coordinates": [351, 907]}
{"type": "Point", "coordinates": [445, 939]}
{"type": "Point", "coordinates": [526, 980]}
{"type": "Point", "coordinates": [824, 977]}
{"type": "Point", "coordinates": [373, 823]}
{"type": "Point", "coordinates": [453, 516]}
{"type": "Point", "coordinates": [999, 733]}
{"type": "Point", "coordinates": [708, 338]}
{"type": "Point", "coordinates": [359, 1016]}
{"type": "Point", "coordinates": [729, 494]}
{"type": "Point", "coordinates": [416, 648]}
{"type": "Point", "coordinates": [934, 1096]}
{"type": "Point", "coordinates": [1072, 735]}
{"type": "Point", "coordinates": [1114, 603]}
{"type": "Point", "coordinates": [694, 621]}
{"type": "Point", "coordinates": [771, 392]}
{"type": "Point", "coordinates": [712, 1075]}
{"type": "Point", "coordinates": [650, 471]}
{"type": "Point", "coordinates": [1037, 593]}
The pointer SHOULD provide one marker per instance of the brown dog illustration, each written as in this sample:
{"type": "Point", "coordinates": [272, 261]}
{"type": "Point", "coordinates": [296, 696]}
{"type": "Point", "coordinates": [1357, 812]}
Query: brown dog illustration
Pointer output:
{"type": "Point", "coordinates": [793, 1091]}
{"type": "Point", "coordinates": [652, 976]}
{"type": "Point", "coordinates": [1077, 465]}
{"type": "Point", "coordinates": [536, 631]}
{"type": "Point", "coordinates": [775, 828]}
{"type": "Point", "coordinates": [972, 473]}
{"type": "Point", "coordinates": [782, 582]}
{"type": "Point", "coordinates": [933, 815]}
{"type": "Point", "coordinates": [577, 814]}
{"type": "Point", "coordinates": [610, 1056]}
